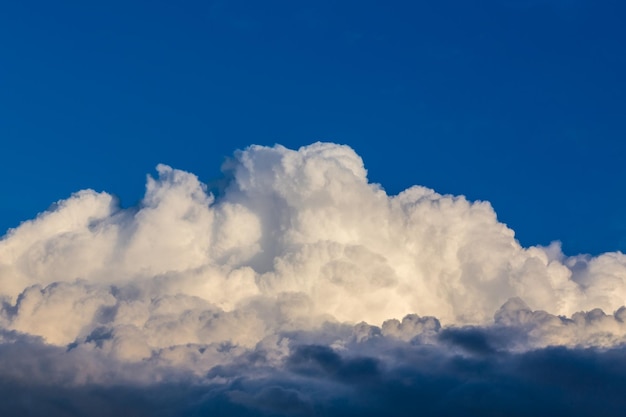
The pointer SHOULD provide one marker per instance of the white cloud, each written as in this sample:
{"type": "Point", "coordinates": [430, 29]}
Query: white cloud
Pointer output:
{"type": "Point", "coordinates": [298, 249]}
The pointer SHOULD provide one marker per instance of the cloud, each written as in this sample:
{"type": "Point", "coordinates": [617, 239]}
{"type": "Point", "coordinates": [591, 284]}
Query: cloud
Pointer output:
{"type": "Point", "coordinates": [300, 289]}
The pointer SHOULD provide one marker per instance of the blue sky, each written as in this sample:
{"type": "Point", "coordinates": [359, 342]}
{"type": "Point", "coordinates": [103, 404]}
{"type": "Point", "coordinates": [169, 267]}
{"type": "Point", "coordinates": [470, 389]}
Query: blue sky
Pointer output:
{"type": "Point", "coordinates": [302, 291]}
{"type": "Point", "coordinates": [518, 102]}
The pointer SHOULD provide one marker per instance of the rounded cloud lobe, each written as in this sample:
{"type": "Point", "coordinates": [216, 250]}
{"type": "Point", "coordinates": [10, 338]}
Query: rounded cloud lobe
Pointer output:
{"type": "Point", "coordinates": [297, 289]}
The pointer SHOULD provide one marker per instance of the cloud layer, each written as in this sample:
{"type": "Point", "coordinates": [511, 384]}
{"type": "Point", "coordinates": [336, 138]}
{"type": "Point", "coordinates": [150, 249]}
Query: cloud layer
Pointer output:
{"type": "Point", "coordinates": [299, 289]}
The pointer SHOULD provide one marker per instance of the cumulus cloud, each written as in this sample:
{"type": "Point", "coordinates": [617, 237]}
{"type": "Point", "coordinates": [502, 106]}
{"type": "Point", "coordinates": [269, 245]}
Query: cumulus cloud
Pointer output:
{"type": "Point", "coordinates": [300, 289]}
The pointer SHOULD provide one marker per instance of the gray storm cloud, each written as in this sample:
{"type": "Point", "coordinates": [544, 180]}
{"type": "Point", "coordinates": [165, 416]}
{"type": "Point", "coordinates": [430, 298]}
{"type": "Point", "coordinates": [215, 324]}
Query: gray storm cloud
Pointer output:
{"type": "Point", "coordinates": [298, 249]}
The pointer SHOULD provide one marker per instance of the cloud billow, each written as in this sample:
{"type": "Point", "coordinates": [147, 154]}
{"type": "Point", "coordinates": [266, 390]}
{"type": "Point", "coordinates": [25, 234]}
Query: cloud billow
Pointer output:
{"type": "Point", "coordinates": [301, 289]}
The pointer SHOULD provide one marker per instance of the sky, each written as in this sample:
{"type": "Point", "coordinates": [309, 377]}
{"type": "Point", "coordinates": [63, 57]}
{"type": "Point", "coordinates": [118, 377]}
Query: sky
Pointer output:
{"type": "Point", "coordinates": [517, 102]}
{"type": "Point", "coordinates": [312, 208]}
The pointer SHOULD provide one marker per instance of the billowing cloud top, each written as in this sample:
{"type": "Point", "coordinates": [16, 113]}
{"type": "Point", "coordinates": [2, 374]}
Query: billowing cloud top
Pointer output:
{"type": "Point", "coordinates": [300, 273]}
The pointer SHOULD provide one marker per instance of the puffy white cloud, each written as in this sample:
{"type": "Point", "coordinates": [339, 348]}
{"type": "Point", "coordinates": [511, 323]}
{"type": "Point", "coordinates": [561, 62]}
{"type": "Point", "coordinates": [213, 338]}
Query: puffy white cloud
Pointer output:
{"type": "Point", "coordinates": [301, 222]}
{"type": "Point", "coordinates": [299, 249]}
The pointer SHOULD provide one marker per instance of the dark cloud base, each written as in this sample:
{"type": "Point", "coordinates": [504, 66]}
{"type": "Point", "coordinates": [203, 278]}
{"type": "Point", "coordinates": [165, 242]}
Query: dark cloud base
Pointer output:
{"type": "Point", "coordinates": [316, 380]}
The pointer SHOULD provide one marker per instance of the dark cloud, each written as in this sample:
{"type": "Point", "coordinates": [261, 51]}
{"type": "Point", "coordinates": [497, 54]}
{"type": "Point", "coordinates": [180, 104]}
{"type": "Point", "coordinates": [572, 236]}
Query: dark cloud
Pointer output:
{"type": "Point", "coordinates": [318, 380]}
{"type": "Point", "coordinates": [322, 361]}
{"type": "Point", "coordinates": [471, 340]}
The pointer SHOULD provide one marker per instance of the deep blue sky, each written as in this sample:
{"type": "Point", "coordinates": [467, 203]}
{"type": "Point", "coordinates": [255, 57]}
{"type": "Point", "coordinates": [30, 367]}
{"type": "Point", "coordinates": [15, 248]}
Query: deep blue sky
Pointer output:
{"type": "Point", "coordinates": [519, 102]}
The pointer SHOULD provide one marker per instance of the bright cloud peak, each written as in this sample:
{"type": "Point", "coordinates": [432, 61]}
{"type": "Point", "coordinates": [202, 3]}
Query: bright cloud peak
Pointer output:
{"type": "Point", "coordinates": [299, 248]}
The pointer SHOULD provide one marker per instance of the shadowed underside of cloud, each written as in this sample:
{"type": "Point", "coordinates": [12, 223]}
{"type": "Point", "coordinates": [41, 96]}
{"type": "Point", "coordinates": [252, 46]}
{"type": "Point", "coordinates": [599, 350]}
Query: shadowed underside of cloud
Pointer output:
{"type": "Point", "coordinates": [302, 289]}
{"type": "Point", "coordinates": [316, 380]}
